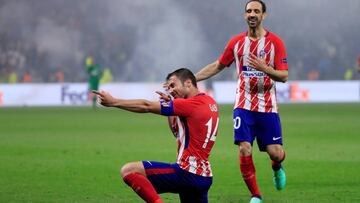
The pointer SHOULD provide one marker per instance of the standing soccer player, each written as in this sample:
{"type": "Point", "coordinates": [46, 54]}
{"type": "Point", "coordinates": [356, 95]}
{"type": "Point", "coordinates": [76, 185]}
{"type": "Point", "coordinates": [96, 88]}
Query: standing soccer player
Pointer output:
{"type": "Point", "coordinates": [260, 59]}
{"type": "Point", "coordinates": [197, 120]}
{"type": "Point", "coordinates": [94, 73]}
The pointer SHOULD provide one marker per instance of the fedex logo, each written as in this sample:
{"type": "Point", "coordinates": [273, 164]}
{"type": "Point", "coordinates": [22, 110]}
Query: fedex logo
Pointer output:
{"type": "Point", "coordinates": [298, 94]}
{"type": "Point", "coordinates": [293, 93]}
{"type": "Point", "coordinates": [74, 96]}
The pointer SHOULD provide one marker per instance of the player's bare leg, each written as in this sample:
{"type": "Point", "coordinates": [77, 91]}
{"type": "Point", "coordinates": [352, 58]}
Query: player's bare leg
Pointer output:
{"type": "Point", "coordinates": [277, 155]}
{"type": "Point", "coordinates": [134, 175]}
{"type": "Point", "coordinates": [247, 169]}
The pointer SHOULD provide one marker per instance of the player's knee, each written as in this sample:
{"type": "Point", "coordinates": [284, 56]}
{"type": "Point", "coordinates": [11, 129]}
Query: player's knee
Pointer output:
{"type": "Point", "coordinates": [132, 167]}
{"type": "Point", "coordinates": [276, 152]}
{"type": "Point", "coordinates": [126, 170]}
{"type": "Point", "coordinates": [245, 149]}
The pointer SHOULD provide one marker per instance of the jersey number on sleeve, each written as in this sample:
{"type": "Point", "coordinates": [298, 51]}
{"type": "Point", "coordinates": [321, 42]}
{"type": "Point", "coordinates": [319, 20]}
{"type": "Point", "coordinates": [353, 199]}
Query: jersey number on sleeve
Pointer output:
{"type": "Point", "coordinates": [211, 135]}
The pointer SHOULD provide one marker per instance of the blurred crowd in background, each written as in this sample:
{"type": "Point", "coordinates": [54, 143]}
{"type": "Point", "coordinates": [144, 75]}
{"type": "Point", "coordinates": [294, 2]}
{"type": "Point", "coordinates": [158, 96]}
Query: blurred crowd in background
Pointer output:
{"type": "Point", "coordinates": [49, 41]}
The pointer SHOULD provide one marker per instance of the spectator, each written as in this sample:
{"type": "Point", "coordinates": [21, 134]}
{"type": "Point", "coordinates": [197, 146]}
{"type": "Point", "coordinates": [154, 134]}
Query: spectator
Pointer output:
{"type": "Point", "coordinates": [106, 76]}
{"type": "Point", "coordinates": [13, 77]}
{"type": "Point", "coordinates": [59, 76]}
{"type": "Point", "coordinates": [313, 75]}
{"type": "Point", "coordinates": [27, 78]}
{"type": "Point", "coordinates": [348, 74]}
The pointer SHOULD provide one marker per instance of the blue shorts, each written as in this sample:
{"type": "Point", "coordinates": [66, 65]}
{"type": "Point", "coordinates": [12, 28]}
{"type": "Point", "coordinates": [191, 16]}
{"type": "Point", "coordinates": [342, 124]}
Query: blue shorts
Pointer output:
{"type": "Point", "coordinates": [171, 178]}
{"type": "Point", "coordinates": [265, 127]}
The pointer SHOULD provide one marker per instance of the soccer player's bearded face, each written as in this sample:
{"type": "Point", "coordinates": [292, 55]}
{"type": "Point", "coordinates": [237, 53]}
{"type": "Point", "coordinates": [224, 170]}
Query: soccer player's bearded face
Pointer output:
{"type": "Point", "coordinates": [176, 88]}
{"type": "Point", "coordinates": [254, 15]}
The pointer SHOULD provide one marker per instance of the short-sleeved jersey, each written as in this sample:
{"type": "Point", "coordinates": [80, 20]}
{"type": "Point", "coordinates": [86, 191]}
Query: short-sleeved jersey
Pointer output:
{"type": "Point", "coordinates": [197, 124]}
{"type": "Point", "coordinates": [255, 90]}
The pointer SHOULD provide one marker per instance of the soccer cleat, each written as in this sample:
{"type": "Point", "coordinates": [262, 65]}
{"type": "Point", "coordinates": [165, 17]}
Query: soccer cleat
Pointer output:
{"type": "Point", "coordinates": [255, 200]}
{"type": "Point", "coordinates": [279, 179]}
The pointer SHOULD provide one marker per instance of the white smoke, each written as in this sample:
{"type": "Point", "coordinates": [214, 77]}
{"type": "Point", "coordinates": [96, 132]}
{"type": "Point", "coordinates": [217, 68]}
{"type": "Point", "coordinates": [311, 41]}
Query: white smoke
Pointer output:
{"type": "Point", "coordinates": [157, 36]}
{"type": "Point", "coordinates": [60, 43]}
{"type": "Point", "coordinates": [168, 37]}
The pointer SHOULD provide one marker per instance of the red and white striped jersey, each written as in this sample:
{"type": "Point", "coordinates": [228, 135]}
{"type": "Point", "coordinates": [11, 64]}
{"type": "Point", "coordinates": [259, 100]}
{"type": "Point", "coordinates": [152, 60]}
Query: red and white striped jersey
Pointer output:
{"type": "Point", "coordinates": [256, 90]}
{"type": "Point", "coordinates": [197, 123]}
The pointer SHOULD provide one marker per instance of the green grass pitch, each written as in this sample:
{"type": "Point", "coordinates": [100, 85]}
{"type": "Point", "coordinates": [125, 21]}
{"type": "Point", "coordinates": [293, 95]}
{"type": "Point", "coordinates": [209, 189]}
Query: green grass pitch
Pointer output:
{"type": "Point", "coordinates": [74, 154]}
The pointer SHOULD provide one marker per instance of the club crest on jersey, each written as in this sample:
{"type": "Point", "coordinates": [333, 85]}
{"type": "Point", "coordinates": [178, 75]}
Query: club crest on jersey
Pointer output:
{"type": "Point", "coordinates": [262, 54]}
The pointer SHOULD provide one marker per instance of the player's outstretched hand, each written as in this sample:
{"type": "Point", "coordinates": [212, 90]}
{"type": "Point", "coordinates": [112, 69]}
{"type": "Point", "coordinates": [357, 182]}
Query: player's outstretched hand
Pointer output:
{"type": "Point", "coordinates": [163, 96]}
{"type": "Point", "coordinates": [105, 98]}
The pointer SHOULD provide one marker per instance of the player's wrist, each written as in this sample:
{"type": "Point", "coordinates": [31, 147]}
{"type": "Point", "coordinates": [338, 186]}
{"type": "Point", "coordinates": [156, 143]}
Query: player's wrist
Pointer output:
{"type": "Point", "coordinates": [267, 69]}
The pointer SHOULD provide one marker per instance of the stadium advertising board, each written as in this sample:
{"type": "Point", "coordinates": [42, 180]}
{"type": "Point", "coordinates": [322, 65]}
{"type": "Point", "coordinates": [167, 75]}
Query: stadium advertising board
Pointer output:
{"type": "Point", "coordinates": [76, 94]}
{"type": "Point", "coordinates": [299, 91]}
{"type": "Point", "coordinates": [69, 94]}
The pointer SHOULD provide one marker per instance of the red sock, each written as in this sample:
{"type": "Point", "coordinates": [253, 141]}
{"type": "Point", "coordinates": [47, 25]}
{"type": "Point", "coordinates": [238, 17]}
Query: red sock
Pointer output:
{"type": "Point", "coordinates": [276, 165]}
{"type": "Point", "coordinates": [247, 169]}
{"type": "Point", "coordinates": [143, 187]}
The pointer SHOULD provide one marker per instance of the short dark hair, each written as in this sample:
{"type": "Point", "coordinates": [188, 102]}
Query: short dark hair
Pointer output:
{"type": "Point", "coordinates": [261, 2]}
{"type": "Point", "coordinates": [183, 74]}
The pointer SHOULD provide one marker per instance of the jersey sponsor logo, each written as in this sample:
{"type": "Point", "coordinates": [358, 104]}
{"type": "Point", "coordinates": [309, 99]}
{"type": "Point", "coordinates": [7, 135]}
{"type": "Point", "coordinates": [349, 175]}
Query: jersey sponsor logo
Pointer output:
{"type": "Point", "coordinates": [250, 72]}
{"type": "Point", "coordinates": [284, 60]}
{"type": "Point", "coordinates": [276, 138]}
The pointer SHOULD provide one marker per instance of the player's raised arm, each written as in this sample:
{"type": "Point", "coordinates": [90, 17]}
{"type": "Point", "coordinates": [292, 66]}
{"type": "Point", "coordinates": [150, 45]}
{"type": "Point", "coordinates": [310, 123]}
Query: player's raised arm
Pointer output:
{"type": "Point", "coordinates": [209, 71]}
{"type": "Point", "coordinates": [133, 105]}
